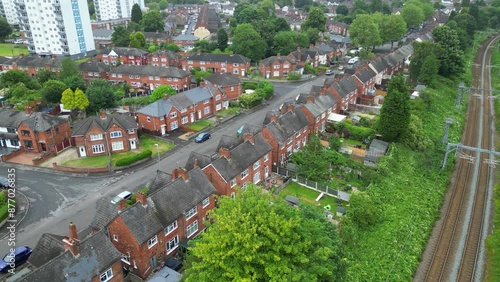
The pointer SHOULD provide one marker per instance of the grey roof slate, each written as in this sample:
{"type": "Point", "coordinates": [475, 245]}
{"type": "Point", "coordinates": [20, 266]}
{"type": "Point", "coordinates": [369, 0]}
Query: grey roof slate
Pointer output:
{"type": "Point", "coordinates": [151, 71]}
{"type": "Point", "coordinates": [34, 61]}
{"type": "Point", "coordinates": [105, 213]}
{"type": "Point", "coordinates": [365, 74]}
{"type": "Point", "coordinates": [281, 59]}
{"type": "Point", "coordinates": [348, 84]}
{"type": "Point", "coordinates": [158, 108]}
{"type": "Point", "coordinates": [97, 254]}
{"type": "Point", "coordinates": [165, 53]}
{"type": "Point", "coordinates": [315, 110]}
{"type": "Point", "coordinates": [154, 35]}
{"type": "Point", "coordinates": [11, 118]}
{"type": "Point", "coordinates": [39, 122]}
{"type": "Point", "coordinates": [209, 57]}
{"type": "Point", "coordinates": [92, 66]}
{"type": "Point", "coordinates": [223, 79]}
{"type": "Point", "coordinates": [241, 157]}
{"type": "Point", "coordinates": [159, 181]}
{"type": "Point", "coordinates": [197, 94]}
{"type": "Point", "coordinates": [181, 101]}
{"type": "Point", "coordinates": [203, 160]}
{"type": "Point", "coordinates": [179, 196]}
{"type": "Point", "coordinates": [379, 65]}
{"type": "Point", "coordinates": [48, 247]}
{"type": "Point", "coordinates": [323, 48]}
{"type": "Point", "coordinates": [102, 33]}
{"type": "Point", "coordinates": [123, 51]}
{"type": "Point", "coordinates": [141, 222]}
{"type": "Point", "coordinates": [185, 37]}
{"type": "Point", "coordinates": [123, 120]}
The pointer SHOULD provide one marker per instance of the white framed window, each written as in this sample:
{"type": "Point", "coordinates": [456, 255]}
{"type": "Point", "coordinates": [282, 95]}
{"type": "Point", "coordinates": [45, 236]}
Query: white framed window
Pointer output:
{"type": "Point", "coordinates": [152, 241]}
{"type": "Point", "coordinates": [106, 276]}
{"type": "Point", "coordinates": [276, 73]}
{"type": "Point", "coordinates": [276, 66]}
{"type": "Point", "coordinates": [218, 107]}
{"type": "Point", "coordinates": [205, 202]}
{"type": "Point", "coordinates": [148, 119]}
{"type": "Point", "coordinates": [157, 78]}
{"type": "Point", "coordinates": [305, 129]}
{"type": "Point", "coordinates": [170, 228]}
{"type": "Point", "coordinates": [297, 145]}
{"type": "Point", "coordinates": [190, 62]}
{"type": "Point", "coordinates": [163, 60]}
{"type": "Point", "coordinates": [173, 115]}
{"type": "Point", "coordinates": [256, 178]}
{"type": "Point", "coordinates": [256, 164]}
{"type": "Point", "coordinates": [120, 75]}
{"type": "Point", "coordinates": [244, 186]}
{"type": "Point", "coordinates": [190, 213]}
{"type": "Point", "coordinates": [217, 98]}
{"type": "Point", "coordinates": [115, 237]}
{"type": "Point", "coordinates": [206, 110]}
{"type": "Point", "coordinates": [131, 131]}
{"type": "Point", "coordinates": [95, 137]}
{"type": "Point", "coordinates": [99, 148]}
{"type": "Point", "coordinates": [116, 146]}
{"type": "Point", "coordinates": [162, 118]}
{"type": "Point", "coordinates": [286, 66]}
{"type": "Point", "coordinates": [174, 125]}
{"type": "Point", "coordinates": [169, 79]}
{"type": "Point", "coordinates": [202, 62]}
{"type": "Point", "coordinates": [235, 64]}
{"type": "Point", "coordinates": [131, 76]}
{"type": "Point", "coordinates": [233, 183]}
{"type": "Point", "coordinates": [192, 228]}
{"type": "Point", "coordinates": [290, 140]}
{"type": "Point", "coordinates": [126, 258]}
{"type": "Point", "coordinates": [113, 75]}
{"type": "Point", "coordinates": [155, 59]}
{"type": "Point", "coordinates": [115, 134]}
{"type": "Point", "coordinates": [266, 157]}
{"type": "Point", "coordinates": [91, 74]}
{"type": "Point", "coordinates": [244, 173]}
{"type": "Point", "coordinates": [172, 244]}
{"type": "Point", "coordinates": [297, 134]}
{"type": "Point", "coordinates": [184, 120]}
{"type": "Point", "coordinates": [323, 115]}
{"type": "Point", "coordinates": [235, 71]}
{"type": "Point", "coordinates": [176, 79]}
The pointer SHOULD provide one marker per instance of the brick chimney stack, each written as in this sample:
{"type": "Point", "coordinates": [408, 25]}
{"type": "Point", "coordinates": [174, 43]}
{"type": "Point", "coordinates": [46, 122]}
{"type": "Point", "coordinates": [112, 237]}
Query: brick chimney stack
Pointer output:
{"type": "Point", "coordinates": [274, 118]}
{"type": "Point", "coordinates": [102, 114]}
{"type": "Point", "coordinates": [72, 243]}
{"type": "Point", "coordinates": [291, 108]}
{"type": "Point", "coordinates": [196, 163]}
{"type": "Point", "coordinates": [122, 204]}
{"type": "Point", "coordinates": [180, 172]}
{"type": "Point", "coordinates": [225, 153]}
{"type": "Point", "coordinates": [249, 137]}
{"type": "Point", "coordinates": [28, 110]}
{"type": "Point", "coordinates": [141, 198]}
{"type": "Point", "coordinates": [283, 109]}
{"type": "Point", "coordinates": [311, 46]}
{"type": "Point", "coordinates": [310, 99]}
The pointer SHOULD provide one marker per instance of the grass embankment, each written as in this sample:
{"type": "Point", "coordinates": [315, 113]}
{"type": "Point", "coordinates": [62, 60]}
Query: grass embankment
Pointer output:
{"type": "Point", "coordinates": [146, 143]}
{"type": "Point", "coordinates": [12, 50]}
{"type": "Point", "coordinates": [493, 241]}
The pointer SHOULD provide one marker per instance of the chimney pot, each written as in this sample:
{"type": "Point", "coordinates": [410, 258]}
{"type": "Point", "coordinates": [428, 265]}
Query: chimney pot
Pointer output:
{"type": "Point", "coordinates": [291, 108]}
{"type": "Point", "coordinates": [274, 118]}
{"type": "Point", "coordinates": [102, 113]}
{"type": "Point", "coordinates": [248, 137]}
{"type": "Point", "coordinates": [311, 46]}
{"type": "Point", "coordinates": [225, 153]}
{"type": "Point", "coordinates": [72, 231]}
{"type": "Point", "coordinates": [141, 197]}
{"type": "Point", "coordinates": [122, 204]}
{"type": "Point", "coordinates": [72, 243]}
{"type": "Point", "coordinates": [28, 110]}
{"type": "Point", "coordinates": [279, 55]}
{"type": "Point", "coordinates": [196, 163]}
{"type": "Point", "coordinates": [180, 172]}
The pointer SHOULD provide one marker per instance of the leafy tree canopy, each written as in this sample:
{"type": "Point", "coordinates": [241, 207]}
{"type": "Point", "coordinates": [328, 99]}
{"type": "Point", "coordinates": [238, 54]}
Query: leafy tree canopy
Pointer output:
{"type": "Point", "coordinates": [222, 39]}
{"type": "Point", "coordinates": [413, 15]}
{"type": "Point", "coordinates": [247, 42]}
{"type": "Point", "coordinates": [5, 29]}
{"type": "Point", "coordinates": [267, 241]}
{"type": "Point", "coordinates": [68, 68]}
{"type": "Point", "coordinates": [13, 77]}
{"type": "Point", "coordinates": [395, 112]}
{"type": "Point", "coordinates": [101, 95]}
{"type": "Point", "coordinates": [52, 91]}
{"type": "Point", "coordinates": [74, 100]}
{"type": "Point", "coordinates": [137, 40]}
{"type": "Point", "coordinates": [120, 36]}
{"type": "Point", "coordinates": [74, 82]}
{"type": "Point", "coordinates": [315, 19]}
{"type": "Point", "coordinates": [160, 92]}
{"type": "Point", "coordinates": [136, 14]}
{"type": "Point", "coordinates": [364, 31]}
{"type": "Point", "coordinates": [44, 75]}
{"type": "Point", "coordinates": [152, 21]}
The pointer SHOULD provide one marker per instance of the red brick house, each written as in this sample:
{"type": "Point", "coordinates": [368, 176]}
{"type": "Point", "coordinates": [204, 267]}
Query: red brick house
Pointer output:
{"type": "Point", "coordinates": [230, 84]}
{"type": "Point", "coordinates": [150, 77]}
{"type": "Point", "coordinates": [156, 38]}
{"type": "Point", "coordinates": [160, 223]}
{"type": "Point", "coordinates": [30, 64]}
{"type": "Point", "coordinates": [165, 58]}
{"type": "Point", "coordinates": [221, 63]}
{"type": "Point", "coordinates": [94, 70]}
{"type": "Point", "coordinates": [172, 112]}
{"type": "Point", "coordinates": [365, 77]}
{"type": "Point", "coordinates": [240, 160]}
{"type": "Point", "coordinates": [96, 136]}
{"type": "Point", "coordinates": [286, 131]}
{"type": "Point", "coordinates": [122, 55]}
{"type": "Point", "coordinates": [185, 41]}
{"type": "Point", "coordinates": [303, 56]}
{"type": "Point", "coordinates": [44, 133]}
{"type": "Point", "coordinates": [93, 258]}
{"type": "Point", "coordinates": [278, 67]}
{"type": "Point", "coordinates": [337, 27]}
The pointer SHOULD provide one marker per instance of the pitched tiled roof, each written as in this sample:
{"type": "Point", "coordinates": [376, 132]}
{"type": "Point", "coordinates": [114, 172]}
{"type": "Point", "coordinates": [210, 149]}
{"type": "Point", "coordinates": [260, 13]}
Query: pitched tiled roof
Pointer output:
{"type": "Point", "coordinates": [11, 118]}
{"type": "Point", "coordinates": [203, 160]}
{"type": "Point", "coordinates": [379, 65]}
{"type": "Point", "coordinates": [365, 74]}
{"type": "Point", "coordinates": [179, 196]}
{"type": "Point", "coordinates": [223, 79]}
{"type": "Point", "coordinates": [224, 58]}
{"type": "Point", "coordinates": [92, 66]}
{"type": "Point", "coordinates": [97, 254]}
{"type": "Point", "coordinates": [165, 53]}
{"type": "Point", "coordinates": [185, 37]}
{"type": "Point", "coordinates": [39, 122]}
{"type": "Point", "coordinates": [105, 213]}
{"type": "Point", "coordinates": [158, 108]}
{"type": "Point", "coordinates": [241, 157]}
{"type": "Point", "coordinates": [102, 33]}
{"type": "Point", "coordinates": [180, 101]}
{"type": "Point", "coordinates": [198, 94]}
{"type": "Point", "coordinates": [281, 59]}
{"type": "Point", "coordinates": [151, 71]}
{"type": "Point", "coordinates": [159, 181]}
{"type": "Point", "coordinates": [323, 48]}
{"type": "Point", "coordinates": [154, 35]}
{"type": "Point", "coordinates": [141, 221]}
{"type": "Point", "coordinates": [122, 51]}
{"type": "Point", "coordinates": [315, 110]}
{"type": "Point", "coordinates": [34, 61]}
{"type": "Point", "coordinates": [348, 84]}
{"type": "Point", "coordinates": [48, 247]}
{"type": "Point", "coordinates": [122, 120]}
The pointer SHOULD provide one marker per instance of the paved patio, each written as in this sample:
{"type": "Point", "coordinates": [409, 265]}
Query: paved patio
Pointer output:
{"type": "Point", "coordinates": [66, 155]}
{"type": "Point", "coordinates": [24, 158]}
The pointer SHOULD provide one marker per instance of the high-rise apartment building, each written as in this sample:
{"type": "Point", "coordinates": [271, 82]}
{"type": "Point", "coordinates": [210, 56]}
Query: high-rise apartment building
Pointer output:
{"type": "Point", "coordinates": [8, 11]}
{"type": "Point", "coordinates": [56, 27]}
{"type": "Point", "coordinates": [115, 9]}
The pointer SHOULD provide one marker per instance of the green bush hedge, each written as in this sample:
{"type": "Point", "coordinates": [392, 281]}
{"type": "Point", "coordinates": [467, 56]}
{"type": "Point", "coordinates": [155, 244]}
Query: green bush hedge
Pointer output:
{"type": "Point", "coordinates": [294, 76]}
{"type": "Point", "coordinates": [249, 85]}
{"type": "Point", "coordinates": [132, 159]}
{"type": "Point", "coordinates": [3, 207]}
{"type": "Point", "coordinates": [354, 132]}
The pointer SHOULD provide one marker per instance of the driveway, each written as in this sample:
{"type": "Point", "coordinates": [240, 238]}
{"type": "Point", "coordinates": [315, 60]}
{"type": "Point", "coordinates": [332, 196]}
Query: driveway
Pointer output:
{"type": "Point", "coordinates": [64, 156]}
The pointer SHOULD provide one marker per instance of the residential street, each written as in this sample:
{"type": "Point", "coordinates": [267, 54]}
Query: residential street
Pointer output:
{"type": "Point", "coordinates": [58, 199]}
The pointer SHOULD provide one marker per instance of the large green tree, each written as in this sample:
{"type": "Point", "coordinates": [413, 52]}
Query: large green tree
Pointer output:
{"type": "Point", "coordinates": [52, 91]}
{"type": "Point", "coordinates": [287, 41]}
{"type": "Point", "coordinates": [5, 29]}
{"type": "Point", "coordinates": [429, 70]}
{"type": "Point", "coordinates": [160, 92]}
{"type": "Point", "coordinates": [13, 77]}
{"type": "Point", "coordinates": [136, 14]}
{"type": "Point", "coordinates": [120, 36]}
{"type": "Point", "coordinates": [68, 68]}
{"type": "Point", "coordinates": [391, 27]}
{"type": "Point", "coordinates": [451, 62]}
{"type": "Point", "coordinates": [413, 15]}
{"type": "Point", "coordinates": [315, 19]}
{"type": "Point", "coordinates": [364, 31]}
{"type": "Point", "coordinates": [256, 237]}
{"type": "Point", "coordinates": [421, 50]}
{"type": "Point", "coordinates": [101, 95]}
{"type": "Point", "coordinates": [137, 39]}
{"type": "Point", "coordinates": [247, 42]}
{"type": "Point", "coordinates": [152, 21]}
{"type": "Point", "coordinates": [395, 112]}
{"type": "Point", "coordinates": [222, 39]}
{"type": "Point", "coordinates": [74, 100]}
{"type": "Point", "coordinates": [75, 82]}
{"type": "Point", "coordinates": [45, 75]}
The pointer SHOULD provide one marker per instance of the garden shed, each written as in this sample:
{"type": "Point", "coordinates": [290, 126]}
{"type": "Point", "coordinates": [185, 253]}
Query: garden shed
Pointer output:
{"type": "Point", "coordinates": [377, 149]}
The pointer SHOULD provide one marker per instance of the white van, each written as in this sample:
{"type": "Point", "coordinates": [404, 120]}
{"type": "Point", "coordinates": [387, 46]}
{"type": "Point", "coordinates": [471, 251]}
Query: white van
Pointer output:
{"type": "Point", "coordinates": [353, 61]}
{"type": "Point", "coordinates": [125, 195]}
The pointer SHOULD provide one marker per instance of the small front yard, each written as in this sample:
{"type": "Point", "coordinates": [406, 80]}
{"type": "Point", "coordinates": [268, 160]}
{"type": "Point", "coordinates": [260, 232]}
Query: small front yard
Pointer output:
{"type": "Point", "coordinates": [200, 125]}
{"type": "Point", "coordinates": [307, 195]}
{"type": "Point", "coordinates": [12, 50]}
{"type": "Point", "coordinates": [146, 143]}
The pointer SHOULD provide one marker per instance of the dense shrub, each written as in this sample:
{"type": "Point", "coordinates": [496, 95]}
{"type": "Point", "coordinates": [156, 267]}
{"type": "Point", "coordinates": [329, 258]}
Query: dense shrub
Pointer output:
{"type": "Point", "coordinates": [132, 159]}
{"type": "Point", "coordinates": [249, 85]}
{"type": "Point", "coordinates": [267, 87]}
{"type": "Point", "coordinates": [294, 76]}
{"type": "Point", "coordinates": [3, 207]}
{"type": "Point", "coordinates": [354, 132]}
{"type": "Point", "coordinates": [250, 100]}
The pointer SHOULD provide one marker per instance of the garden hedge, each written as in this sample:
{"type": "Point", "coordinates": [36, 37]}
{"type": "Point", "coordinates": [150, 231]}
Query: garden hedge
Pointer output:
{"type": "Point", "coordinates": [132, 159]}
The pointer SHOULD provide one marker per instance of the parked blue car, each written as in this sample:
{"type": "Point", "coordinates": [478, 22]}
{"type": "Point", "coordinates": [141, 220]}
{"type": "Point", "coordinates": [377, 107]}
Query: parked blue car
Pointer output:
{"type": "Point", "coordinates": [202, 137]}
{"type": "Point", "coordinates": [20, 255]}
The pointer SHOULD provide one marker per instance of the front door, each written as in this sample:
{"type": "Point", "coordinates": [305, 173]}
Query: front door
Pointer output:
{"type": "Point", "coordinates": [83, 153]}
{"type": "Point", "coordinates": [163, 129]}
{"type": "Point", "coordinates": [133, 145]}
{"type": "Point", "coordinates": [43, 147]}
{"type": "Point", "coordinates": [152, 262]}
{"type": "Point", "coordinates": [199, 115]}
{"type": "Point", "coordinates": [192, 117]}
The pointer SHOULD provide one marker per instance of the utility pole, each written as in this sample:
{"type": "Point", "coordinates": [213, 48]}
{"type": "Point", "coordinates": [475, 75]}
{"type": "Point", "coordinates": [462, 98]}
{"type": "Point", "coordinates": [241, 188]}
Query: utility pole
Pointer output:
{"type": "Point", "coordinates": [158, 151]}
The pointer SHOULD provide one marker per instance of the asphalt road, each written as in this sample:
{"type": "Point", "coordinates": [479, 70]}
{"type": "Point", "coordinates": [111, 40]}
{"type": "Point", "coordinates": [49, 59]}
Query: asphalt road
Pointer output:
{"type": "Point", "coordinates": [58, 199]}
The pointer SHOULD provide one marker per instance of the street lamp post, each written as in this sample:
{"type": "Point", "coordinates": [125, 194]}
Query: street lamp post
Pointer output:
{"type": "Point", "coordinates": [158, 150]}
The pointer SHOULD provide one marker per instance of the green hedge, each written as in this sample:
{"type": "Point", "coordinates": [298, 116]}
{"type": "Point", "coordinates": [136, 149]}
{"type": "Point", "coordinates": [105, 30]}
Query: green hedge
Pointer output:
{"type": "Point", "coordinates": [3, 207]}
{"type": "Point", "coordinates": [350, 131]}
{"type": "Point", "coordinates": [250, 85]}
{"type": "Point", "coordinates": [132, 159]}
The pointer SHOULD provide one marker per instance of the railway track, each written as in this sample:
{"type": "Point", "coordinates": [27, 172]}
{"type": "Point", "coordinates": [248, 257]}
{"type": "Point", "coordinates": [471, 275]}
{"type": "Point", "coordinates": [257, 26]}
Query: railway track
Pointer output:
{"type": "Point", "coordinates": [456, 253]}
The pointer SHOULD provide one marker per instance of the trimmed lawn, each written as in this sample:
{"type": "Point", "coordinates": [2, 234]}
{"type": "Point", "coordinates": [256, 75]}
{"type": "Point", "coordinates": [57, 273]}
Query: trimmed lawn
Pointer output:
{"type": "Point", "coordinates": [200, 125]}
{"type": "Point", "coordinates": [307, 195]}
{"type": "Point", "coordinates": [9, 50]}
{"type": "Point", "coordinates": [350, 142]}
{"type": "Point", "coordinates": [146, 143]}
